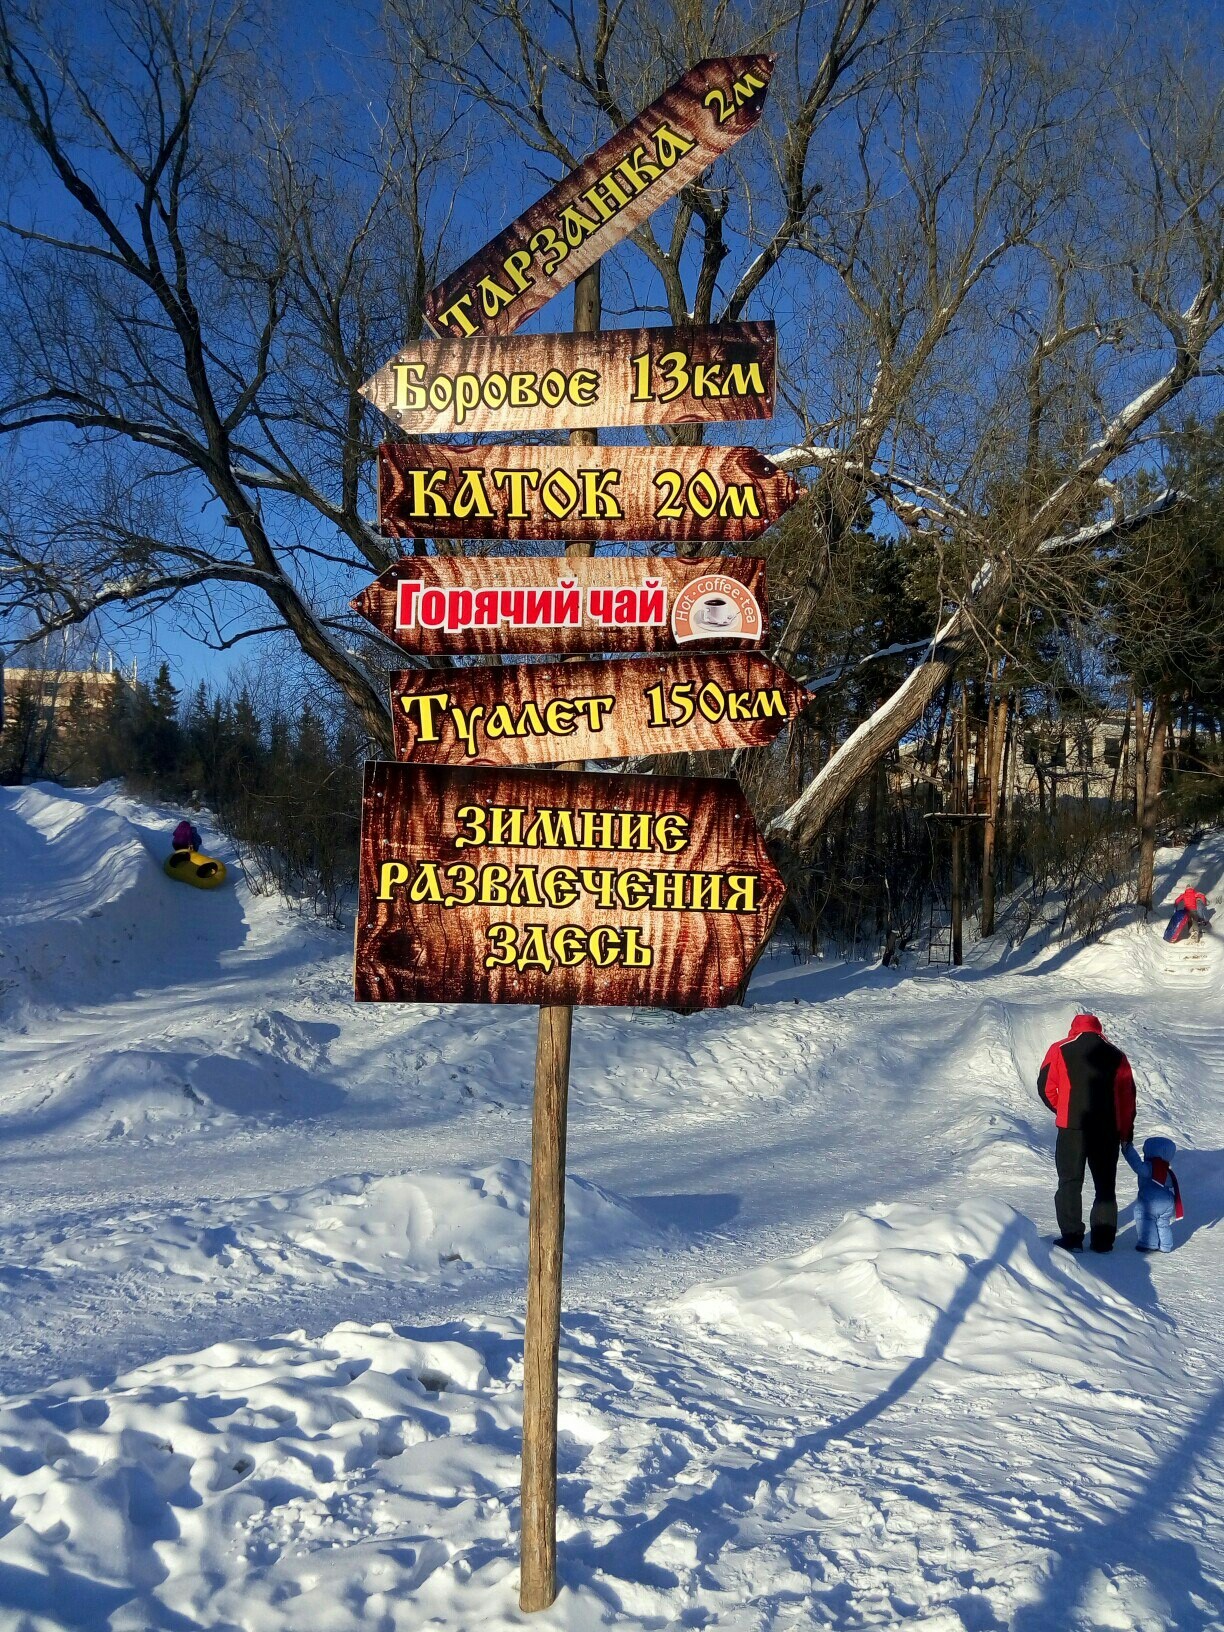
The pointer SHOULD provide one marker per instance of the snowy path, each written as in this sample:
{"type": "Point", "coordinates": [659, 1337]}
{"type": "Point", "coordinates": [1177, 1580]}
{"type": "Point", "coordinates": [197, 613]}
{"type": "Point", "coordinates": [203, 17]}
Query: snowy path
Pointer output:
{"type": "Point", "coordinates": [822, 1367]}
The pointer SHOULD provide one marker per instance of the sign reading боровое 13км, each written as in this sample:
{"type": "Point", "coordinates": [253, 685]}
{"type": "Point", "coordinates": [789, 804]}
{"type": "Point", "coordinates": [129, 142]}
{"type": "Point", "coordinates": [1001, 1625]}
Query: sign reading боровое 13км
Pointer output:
{"type": "Point", "coordinates": [481, 605]}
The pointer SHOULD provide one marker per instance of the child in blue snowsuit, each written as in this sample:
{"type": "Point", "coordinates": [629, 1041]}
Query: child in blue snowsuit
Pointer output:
{"type": "Point", "coordinates": [1159, 1201]}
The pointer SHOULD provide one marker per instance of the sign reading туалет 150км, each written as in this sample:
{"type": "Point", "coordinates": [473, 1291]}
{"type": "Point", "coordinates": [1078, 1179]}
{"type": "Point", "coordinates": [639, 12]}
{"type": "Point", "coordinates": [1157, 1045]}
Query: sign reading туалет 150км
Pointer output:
{"type": "Point", "coordinates": [605, 708]}
{"type": "Point", "coordinates": [481, 605]}
{"type": "Point", "coordinates": [542, 382]}
{"type": "Point", "coordinates": [610, 194]}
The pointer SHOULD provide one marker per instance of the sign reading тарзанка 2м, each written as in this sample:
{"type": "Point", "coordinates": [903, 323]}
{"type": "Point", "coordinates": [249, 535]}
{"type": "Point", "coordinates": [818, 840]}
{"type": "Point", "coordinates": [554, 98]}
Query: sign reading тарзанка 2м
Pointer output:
{"type": "Point", "coordinates": [610, 194]}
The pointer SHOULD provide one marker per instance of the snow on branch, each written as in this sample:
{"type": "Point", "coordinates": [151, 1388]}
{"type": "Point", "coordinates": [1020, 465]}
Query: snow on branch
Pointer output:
{"type": "Point", "coordinates": [1116, 526]}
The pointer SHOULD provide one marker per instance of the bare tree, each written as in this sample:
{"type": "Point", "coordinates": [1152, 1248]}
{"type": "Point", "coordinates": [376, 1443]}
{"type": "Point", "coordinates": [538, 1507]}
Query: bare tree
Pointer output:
{"type": "Point", "coordinates": [189, 317]}
{"type": "Point", "coordinates": [994, 255]}
{"type": "Point", "coordinates": [1136, 218]}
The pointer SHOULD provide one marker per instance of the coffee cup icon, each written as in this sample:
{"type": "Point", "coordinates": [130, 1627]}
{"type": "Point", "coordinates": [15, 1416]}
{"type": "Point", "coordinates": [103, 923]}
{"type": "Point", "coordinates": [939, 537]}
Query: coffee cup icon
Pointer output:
{"type": "Point", "coordinates": [717, 613]}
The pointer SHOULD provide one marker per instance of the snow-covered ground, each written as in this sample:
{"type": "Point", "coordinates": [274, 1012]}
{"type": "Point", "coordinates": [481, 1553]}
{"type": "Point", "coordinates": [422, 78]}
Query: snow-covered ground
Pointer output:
{"type": "Point", "coordinates": [261, 1284]}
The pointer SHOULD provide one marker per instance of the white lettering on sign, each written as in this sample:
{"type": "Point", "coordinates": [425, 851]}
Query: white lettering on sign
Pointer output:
{"type": "Point", "coordinates": [545, 607]}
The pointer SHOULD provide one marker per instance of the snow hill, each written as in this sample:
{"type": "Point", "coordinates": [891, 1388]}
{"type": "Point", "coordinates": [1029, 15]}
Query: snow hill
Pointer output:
{"type": "Point", "coordinates": [261, 1283]}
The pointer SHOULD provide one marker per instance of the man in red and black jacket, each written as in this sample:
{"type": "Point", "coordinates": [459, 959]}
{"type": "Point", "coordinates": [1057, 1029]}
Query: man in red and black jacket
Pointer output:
{"type": "Point", "coordinates": [1087, 1083]}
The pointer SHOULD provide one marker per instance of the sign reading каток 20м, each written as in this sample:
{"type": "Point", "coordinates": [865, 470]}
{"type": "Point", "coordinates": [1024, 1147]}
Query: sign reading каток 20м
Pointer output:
{"type": "Point", "coordinates": [500, 886]}
{"type": "Point", "coordinates": [436, 489]}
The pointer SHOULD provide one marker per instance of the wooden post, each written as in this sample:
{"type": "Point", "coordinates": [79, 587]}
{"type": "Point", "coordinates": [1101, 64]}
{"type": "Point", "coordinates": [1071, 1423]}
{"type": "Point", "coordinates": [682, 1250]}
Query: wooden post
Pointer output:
{"type": "Point", "coordinates": [958, 891]}
{"type": "Point", "coordinates": [546, 1228]}
{"type": "Point", "coordinates": [960, 800]}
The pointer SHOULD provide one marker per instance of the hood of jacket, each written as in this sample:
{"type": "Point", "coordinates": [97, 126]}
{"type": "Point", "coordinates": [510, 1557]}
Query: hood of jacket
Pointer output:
{"type": "Point", "coordinates": [1159, 1149]}
{"type": "Point", "coordinates": [1085, 1022]}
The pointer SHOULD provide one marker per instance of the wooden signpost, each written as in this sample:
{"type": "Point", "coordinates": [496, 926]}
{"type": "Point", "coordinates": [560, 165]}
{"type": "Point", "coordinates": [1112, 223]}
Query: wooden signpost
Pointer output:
{"type": "Point", "coordinates": [496, 886]}
{"type": "Point", "coordinates": [488, 605]}
{"type": "Point", "coordinates": [485, 883]}
{"type": "Point", "coordinates": [610, 194]}
{"type": "Point", "coordinates": [437, 489]}
{"type": "Point", "coordinates": [541, 713]}
{"type": "Point", "coordinates": [542, 382]}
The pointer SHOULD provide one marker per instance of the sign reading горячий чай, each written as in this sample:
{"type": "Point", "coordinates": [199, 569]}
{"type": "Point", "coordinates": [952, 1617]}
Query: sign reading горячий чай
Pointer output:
{"type": "Point", "coordinates": [437, 605]}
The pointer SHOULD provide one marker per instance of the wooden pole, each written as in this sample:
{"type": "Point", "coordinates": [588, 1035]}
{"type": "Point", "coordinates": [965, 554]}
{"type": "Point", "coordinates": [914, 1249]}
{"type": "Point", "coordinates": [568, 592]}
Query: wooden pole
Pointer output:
{"type": "Point", "coordinates": [960, 798]}
{"type": "Point", "coordinates": [546, 1228]}
{"type": "Point", "coordinates": [958, 892]}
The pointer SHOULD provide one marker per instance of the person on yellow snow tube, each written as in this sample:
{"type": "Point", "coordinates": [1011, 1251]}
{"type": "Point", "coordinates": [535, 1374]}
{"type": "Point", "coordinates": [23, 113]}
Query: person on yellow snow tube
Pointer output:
{"type": "Point", "coordinates": [188, 865]}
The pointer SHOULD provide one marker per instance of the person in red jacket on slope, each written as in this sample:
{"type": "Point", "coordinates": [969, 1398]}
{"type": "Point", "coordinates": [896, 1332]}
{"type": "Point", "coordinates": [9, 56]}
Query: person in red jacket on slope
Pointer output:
{"type": "Point", "coordinates": [1087, 1083]}
{"type": "Point", "coordinates": [1194, 904]}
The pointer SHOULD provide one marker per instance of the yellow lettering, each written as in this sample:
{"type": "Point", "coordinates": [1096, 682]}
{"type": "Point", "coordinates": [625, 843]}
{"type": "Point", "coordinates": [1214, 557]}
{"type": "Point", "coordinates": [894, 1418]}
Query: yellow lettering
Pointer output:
{"type": "Point", "coordinates": [425, 500]}
{"type": "Point", "coordinates": [551, 249]}
{"type": "Point", "coordinates": [740, 500]}
{"type": "Point", "coordinates": [409, 395]}
{"type": "Point", "coordinates": [742, 892]}
{"type": "Point", "coordinates": [506, 826]}
{"type": "Point", "coordinates": [744, 380]}
{"type": "Point", "coordinates": [455, 313]}
{"type": "Point", "coordinates": [560, 886]}
{"type": "Point", "coordinates": [426, 703]}
{"type": "Point", "coordinates": [598, 504]}
{"type": "Point", "coordinates": [461, 880]}
{"type": "Point", "coordinates": [604, 944]}
{"type": "Point", "coordinates": [671, 832]}
{"type": "Point", "coordinates": [503, 939]}
{"type": "Point", "coordinates": [515, 267]}
{"type": "Point", "coordinates": [473, 818]}
{"type": "Point", "coordinates": [552, 830]}
{"type": "Point", "coordinates": [668, 893]}
{"type": "Point", "coordinates": [500, 722]}
{"type": "Point", "coordinates": [559, 717]}
{"type": "Point", "coordinates": [570, 945]}
{"type": "Point", "coordinates": [670, 146]}
{"type": "Point", "coordinates": [390, 875]}
{"type": "Point", "coordinates": [517, 483]}
{"type": "Point", "coordinates": [575, 225]}
{"type": "Point", "coordinates": [493, 298]}
{"type": "Point", "coordinates": [470, 498]}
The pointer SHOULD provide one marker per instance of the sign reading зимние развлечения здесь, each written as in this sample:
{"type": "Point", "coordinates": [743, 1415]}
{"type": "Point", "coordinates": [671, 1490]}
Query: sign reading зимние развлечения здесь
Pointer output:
{"type": "Point", "coordinates": [550, 605]}
{"type": "Point", "coordinates": [519, 886]}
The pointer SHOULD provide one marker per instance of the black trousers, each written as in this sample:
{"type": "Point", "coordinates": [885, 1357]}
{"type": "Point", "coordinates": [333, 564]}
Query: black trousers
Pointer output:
{"type": "Point", "coordinates": [1097, 1150]}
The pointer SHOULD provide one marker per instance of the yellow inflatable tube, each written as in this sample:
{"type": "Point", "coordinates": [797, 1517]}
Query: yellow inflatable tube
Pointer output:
{"type": "Point", "coordinates": [190, 867]}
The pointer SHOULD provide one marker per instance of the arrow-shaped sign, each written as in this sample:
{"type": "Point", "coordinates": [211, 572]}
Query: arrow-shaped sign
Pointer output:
{"type": "Point", "coordinates": [543, 382]}
{"type": "Point", "coordinates": [546, 604]}
{"type": "Point", "coordinates": [542, 713]}
{"type": "Point", "coordinates": [657, 494]}
{"type": "Point", "coordinates": [610, 194]}
{"type": "Point", "coordinates": [497, 886]}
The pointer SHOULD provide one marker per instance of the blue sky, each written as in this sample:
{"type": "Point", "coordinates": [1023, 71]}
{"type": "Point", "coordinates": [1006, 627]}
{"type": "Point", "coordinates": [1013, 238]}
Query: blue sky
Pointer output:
{"type": "Point", "coordinates": [335, 47]}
